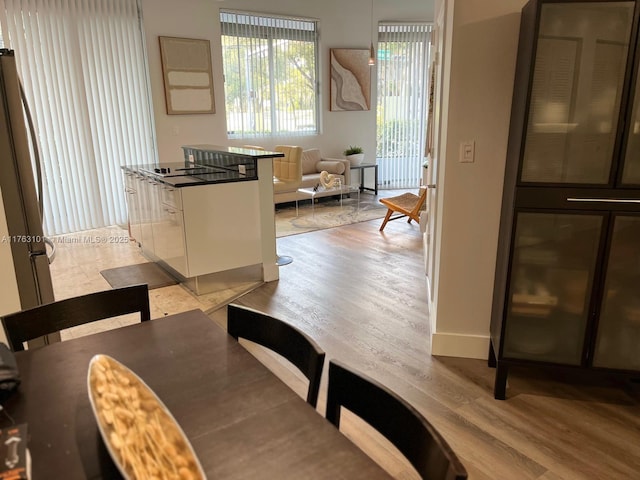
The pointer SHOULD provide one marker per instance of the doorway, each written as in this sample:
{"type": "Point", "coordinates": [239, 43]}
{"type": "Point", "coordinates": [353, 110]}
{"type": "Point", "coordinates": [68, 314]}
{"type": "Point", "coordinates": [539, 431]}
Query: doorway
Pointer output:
{"type": "Point", "coordinates": [404, 56]}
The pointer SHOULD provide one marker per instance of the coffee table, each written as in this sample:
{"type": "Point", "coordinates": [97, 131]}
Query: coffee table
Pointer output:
{"type": "Point", "coordinates": [311, 193]}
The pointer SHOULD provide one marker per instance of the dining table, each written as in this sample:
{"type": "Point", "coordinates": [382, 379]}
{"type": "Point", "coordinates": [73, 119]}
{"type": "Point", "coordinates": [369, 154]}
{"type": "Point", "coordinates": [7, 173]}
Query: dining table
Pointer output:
{"type": "Point", "coordinates": [241, 420]}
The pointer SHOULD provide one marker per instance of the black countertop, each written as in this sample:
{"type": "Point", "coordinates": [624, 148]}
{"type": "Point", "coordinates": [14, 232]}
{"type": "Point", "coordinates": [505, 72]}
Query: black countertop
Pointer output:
{"type": "Point", "coordinates": [191, 180]}
{"type": "Point", "coordinates": [219, 165]}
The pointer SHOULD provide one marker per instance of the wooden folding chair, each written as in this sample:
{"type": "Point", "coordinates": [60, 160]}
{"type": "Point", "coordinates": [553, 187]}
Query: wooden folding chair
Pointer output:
{"type": "Point", "coordinates": [405, 205]}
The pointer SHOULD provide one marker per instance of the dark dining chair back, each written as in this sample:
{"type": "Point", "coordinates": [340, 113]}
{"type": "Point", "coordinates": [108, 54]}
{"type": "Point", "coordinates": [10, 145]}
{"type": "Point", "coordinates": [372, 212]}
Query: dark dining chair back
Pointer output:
{"type": "Point", "coordinates": [395, 419]}
{"type": "Point", "coordinates": [282, 338]}
{"type": "Point", "coordinates": [52, 317]}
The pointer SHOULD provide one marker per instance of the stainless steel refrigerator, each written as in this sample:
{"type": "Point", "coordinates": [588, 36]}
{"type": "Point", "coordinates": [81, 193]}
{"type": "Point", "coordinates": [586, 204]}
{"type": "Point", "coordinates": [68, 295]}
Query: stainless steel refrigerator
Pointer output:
{"type": "Point", "coordinates": [20, 187]}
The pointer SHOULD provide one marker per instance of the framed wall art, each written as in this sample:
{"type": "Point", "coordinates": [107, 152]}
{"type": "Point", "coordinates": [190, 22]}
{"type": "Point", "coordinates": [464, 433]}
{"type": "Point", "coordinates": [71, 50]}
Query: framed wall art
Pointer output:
{"type": "Point", "coordinates": [350, 79]}
{"type": "Point", "coordinates": [188, 79]}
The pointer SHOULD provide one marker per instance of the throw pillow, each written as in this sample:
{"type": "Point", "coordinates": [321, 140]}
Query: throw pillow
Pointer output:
{"type": "Point", "coordinates": [309, 159]}
{"type": "Point", "coordinates": [331, 166]}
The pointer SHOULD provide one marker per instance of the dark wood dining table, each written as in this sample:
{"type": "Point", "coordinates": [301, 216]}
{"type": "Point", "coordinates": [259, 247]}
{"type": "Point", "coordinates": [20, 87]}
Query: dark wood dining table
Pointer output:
{"type": "Point", "coordinates": [242, 421]}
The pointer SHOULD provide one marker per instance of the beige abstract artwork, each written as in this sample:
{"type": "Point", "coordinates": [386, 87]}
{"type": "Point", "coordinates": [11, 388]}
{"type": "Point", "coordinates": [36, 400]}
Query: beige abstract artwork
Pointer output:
{"type": "Point", "coordinates": [188, 79]}
{"type": "Point", "coordinates": [350, 79]}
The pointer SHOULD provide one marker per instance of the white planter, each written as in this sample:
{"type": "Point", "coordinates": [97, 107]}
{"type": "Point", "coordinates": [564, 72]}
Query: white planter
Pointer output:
{"type": "Point", "coordinates": [356, 158]}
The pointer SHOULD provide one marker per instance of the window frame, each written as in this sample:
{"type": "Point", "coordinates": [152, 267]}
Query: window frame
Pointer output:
{"type": "Point", "coordinates": [250, 27]}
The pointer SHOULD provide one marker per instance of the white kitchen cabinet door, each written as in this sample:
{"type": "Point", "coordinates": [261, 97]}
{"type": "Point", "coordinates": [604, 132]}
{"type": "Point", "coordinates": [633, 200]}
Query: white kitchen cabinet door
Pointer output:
{"type": "Point", "coordinates": [133, 205]}
{"type": "Point", "coordinates": [149, 210]}
{"type": "Point", "coordinates": [175, 254]}
{"type": "Point", "coordinates": [222, 227]}
{"type": "Point", "coordinates": [168, 229]}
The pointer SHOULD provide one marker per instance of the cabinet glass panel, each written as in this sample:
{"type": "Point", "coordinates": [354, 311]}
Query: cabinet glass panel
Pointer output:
{"type": "Point", "coordinates": [552, 271]}
{"type": "Point", "coordinates": [631, 167]}
{"type": "Point", "coordinates": [618, 339]}
{"type": "Point", "coordinates": [575, 96]}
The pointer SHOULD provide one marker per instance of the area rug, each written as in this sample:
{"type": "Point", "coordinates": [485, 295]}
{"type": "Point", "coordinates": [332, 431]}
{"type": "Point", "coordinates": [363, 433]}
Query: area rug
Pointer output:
{"type": "Point", "coordinates": [150, 273]}
{"type": "Point", "coordinates": [327, 213]}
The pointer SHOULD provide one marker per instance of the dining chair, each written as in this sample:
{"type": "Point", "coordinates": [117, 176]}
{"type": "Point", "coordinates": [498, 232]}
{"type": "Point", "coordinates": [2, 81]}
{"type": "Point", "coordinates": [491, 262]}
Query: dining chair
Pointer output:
{"type": "Point", "coordinates": [406, 205]}
{"type": "Point", "coordinates": [52, 317]}
{"type": "Point", "coordinates": [282, 338]}
{"type": "Point", "coordinates": [395, 419]}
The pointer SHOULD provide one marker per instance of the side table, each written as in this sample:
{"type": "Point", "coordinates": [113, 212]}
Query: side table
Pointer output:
{"type": "Point", "coordinates": [362, 167]}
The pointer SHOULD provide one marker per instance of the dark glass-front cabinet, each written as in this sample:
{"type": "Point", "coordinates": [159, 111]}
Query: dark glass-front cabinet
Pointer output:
{"type": "Point", "coordinates": [567, 285]}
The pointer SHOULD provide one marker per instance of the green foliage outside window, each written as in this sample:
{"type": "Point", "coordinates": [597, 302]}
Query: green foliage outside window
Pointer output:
{"type": "Point", "coordinates": [396, 138]}
{"type": "Point", "coordinates": [270, 75]}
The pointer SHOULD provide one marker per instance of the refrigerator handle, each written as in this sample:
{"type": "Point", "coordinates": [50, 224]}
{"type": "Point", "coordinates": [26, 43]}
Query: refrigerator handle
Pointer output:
{"type": "Point", "coordinates": [38, 167]}
{"type": "Point", "coordinates": [50, 256]}
{"type": "Point", "coordinates": [36, 151]}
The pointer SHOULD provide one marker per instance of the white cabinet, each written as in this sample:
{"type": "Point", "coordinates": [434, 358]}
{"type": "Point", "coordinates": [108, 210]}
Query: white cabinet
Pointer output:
{"type": "Point", "coordinates": [148, 205]}
{"type": "Point", "coordinates": [143, 202]}
{"type": "Point", "coordinates": [133, 204]}
{"type": "Point", "coordinates": [196, 230]}
{"type": "Point", "coordinates": [222, 226]}
{"type": "Point", "coordinates": [168, 229]}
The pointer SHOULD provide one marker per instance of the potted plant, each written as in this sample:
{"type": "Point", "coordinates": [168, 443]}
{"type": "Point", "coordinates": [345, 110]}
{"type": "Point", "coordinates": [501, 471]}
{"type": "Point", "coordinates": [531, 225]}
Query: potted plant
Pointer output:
{"type": "Point", "coordinates": [354, 154]}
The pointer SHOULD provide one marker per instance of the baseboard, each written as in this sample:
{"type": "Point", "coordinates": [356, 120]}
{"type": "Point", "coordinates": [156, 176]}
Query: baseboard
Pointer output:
{"type": "Point", "coordinates": [460, 345]}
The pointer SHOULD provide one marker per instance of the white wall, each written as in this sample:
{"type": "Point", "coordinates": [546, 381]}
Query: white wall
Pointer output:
{"type": "Point", "coordinates": [480, 61]}
{"type": "Point", "coordinates": [343, 24]}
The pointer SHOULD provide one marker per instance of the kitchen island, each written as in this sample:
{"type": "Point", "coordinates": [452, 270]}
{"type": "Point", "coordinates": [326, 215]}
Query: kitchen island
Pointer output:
{"type": "Point", "coordinates": [208, 219]}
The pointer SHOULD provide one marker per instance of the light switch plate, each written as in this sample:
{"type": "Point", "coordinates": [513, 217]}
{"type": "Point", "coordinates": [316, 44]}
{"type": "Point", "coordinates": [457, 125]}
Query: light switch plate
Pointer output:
{"type": "Point", "coordinates": [467, 151]}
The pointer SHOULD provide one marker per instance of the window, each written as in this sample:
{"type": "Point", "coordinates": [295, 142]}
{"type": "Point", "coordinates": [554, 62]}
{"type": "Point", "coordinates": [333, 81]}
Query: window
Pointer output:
{"type": "Point", "coordinates": [84, 73]}
{"type": "Point", "coordinates": [403, 61]}
{"type": "Point", "coordinates": [270, 70]}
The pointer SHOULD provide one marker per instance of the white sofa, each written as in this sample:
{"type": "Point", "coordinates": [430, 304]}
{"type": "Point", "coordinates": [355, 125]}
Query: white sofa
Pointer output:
{"type": "Point", "coordinates": [312, 164]}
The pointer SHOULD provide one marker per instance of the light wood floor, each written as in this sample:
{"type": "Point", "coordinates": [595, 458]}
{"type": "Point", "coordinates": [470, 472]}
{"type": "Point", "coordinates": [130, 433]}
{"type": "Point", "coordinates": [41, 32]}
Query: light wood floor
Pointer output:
{"type": "Point", "coordinates": [362, 296]}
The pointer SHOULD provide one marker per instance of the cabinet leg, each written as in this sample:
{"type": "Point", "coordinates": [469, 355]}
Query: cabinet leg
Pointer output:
{"type": "Point", "coordinates": [492, 361]}
{"type": "Point", "coordinates": [500, 386]}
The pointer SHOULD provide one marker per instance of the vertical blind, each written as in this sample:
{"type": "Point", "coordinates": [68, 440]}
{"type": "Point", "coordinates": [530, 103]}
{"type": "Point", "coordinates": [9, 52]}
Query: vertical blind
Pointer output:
{"type": "Point", "coordinates": [270, 71]}
{"type": "Point", "coordinates": [84, 73]}
{"type": "Point", "coordinates": [403, 64]}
